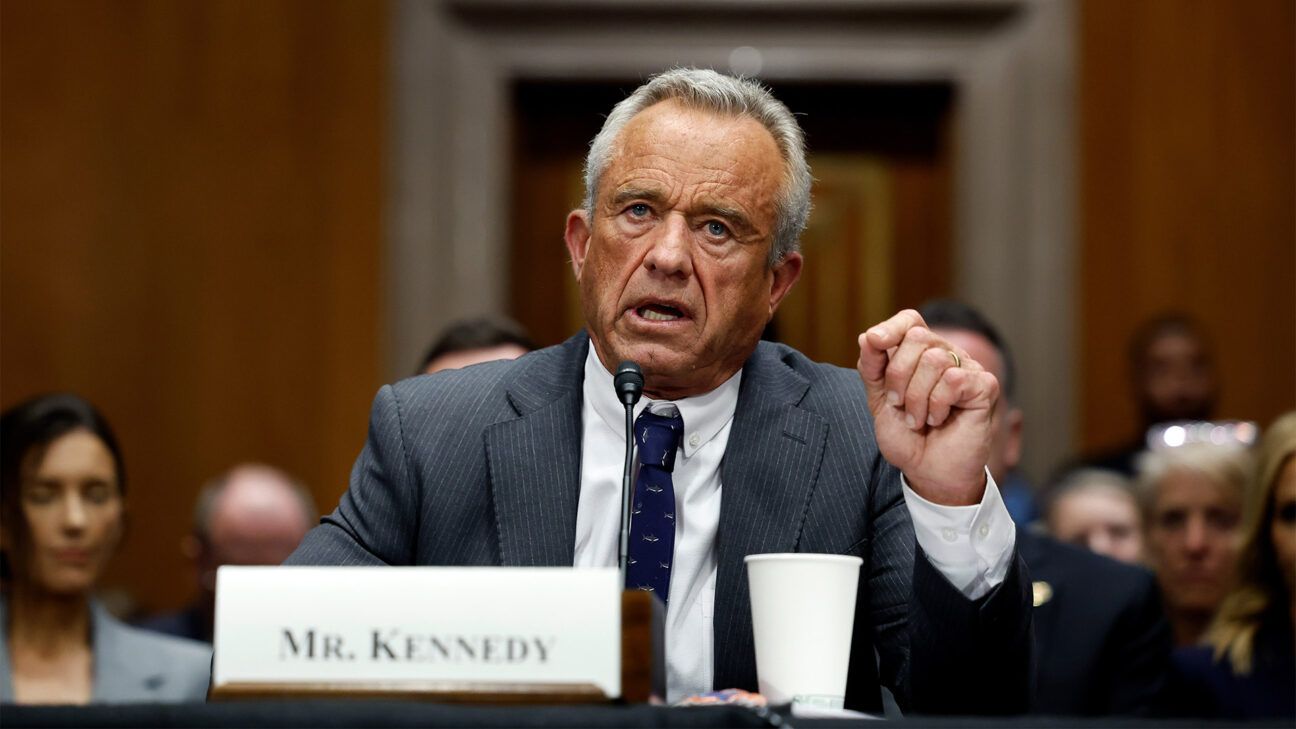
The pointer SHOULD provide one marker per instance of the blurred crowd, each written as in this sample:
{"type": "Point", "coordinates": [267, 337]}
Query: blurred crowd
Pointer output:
{"type": "Point", "coordinates": [1164, 572]}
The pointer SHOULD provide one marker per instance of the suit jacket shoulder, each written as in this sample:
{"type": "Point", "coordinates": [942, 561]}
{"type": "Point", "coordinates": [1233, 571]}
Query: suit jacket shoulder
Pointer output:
{"type": "Point", "coordinates": [453, 462]}
{"type": "Point", "coordinates": [1103, 644]}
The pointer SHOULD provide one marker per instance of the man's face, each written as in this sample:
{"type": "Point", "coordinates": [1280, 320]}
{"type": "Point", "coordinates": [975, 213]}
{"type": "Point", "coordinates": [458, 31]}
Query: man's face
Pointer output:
{"type": "Point", "coordinates": [1192, 539]}
{"type": "Point", "coordinates": [1103, 519]}
{"type": "Point", "coordinates": [1176, 379]}
{"type": "Point", "coordinates": [673, 263]}
{"type": "Point", "coordinates": [256, 520]}
{"type": "Point", "coordinates": [1006, 421]}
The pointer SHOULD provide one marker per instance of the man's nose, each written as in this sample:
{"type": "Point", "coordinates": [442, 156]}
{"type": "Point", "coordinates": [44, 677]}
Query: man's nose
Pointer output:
{"type": "Point", "coordinates": [671, 253]}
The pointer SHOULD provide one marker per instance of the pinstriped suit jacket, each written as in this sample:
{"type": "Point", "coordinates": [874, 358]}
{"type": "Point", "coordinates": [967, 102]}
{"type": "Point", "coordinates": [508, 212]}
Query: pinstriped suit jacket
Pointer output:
{"type": "Point", "coordinates": [481, 466]}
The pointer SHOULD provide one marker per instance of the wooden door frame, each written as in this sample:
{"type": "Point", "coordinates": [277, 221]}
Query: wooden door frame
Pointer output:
{"type": "Point", "coordinates": [1011, 63]}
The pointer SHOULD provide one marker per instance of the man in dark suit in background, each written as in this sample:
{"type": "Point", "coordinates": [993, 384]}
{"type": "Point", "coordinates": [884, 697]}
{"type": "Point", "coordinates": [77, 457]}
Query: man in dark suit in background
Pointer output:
{"type": "Point", "coordinates": [697, 191]}
{"type": "Point", "coordinates": [1102, 641]}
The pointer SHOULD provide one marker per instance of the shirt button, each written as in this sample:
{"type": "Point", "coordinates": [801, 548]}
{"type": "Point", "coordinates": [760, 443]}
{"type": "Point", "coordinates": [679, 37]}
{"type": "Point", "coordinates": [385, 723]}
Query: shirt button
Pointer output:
{"type": "Point", "coordinates": [949, 534]}
{"type": "Point", "coordinates": [693, 441]}
{"type": "Point", "coordinates": [984, 530]}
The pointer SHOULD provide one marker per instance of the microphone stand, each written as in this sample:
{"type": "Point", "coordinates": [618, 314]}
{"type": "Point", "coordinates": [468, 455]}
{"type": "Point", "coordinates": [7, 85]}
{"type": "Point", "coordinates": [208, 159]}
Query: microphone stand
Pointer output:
{"type": "Point", "coordinates": [629, 384]}
{"type": "Point", "coordinates": [627, 495]}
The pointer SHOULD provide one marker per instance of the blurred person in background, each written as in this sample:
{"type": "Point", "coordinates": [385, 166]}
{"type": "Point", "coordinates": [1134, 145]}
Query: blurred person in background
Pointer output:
{"type": "Point", "coordinates": [1102, 644]}
{"type": "Point", "coordinates": [472, 341]}
{"type": "Point", "coordinates": [1247, 667]}
{"type": "Point", "coordinates": [1192, 501]}
{"type": "Point", "coordinates": [251, 515]}
{"type": "Point", "coordinates": [1172, 370]}
{"type": "Point", "coordinates": [62, 500]}
{"type": "Point", "coordinates": [1097, 510]}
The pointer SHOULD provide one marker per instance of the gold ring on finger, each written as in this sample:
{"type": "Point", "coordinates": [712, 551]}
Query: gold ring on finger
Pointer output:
{"type": "Point", "coordinates": [957, 362]}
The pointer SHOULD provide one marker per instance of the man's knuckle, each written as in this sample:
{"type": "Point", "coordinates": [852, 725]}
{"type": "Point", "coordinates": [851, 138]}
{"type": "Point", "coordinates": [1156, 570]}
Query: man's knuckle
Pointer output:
{"type": "Point", "coordinates": [991, 384]}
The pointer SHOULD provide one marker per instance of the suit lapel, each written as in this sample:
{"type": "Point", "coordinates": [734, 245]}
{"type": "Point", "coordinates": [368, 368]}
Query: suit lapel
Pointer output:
{"type": "Point", "coordinates": [534, 460]}
{"type": "Point", "coordinates": [768, 475]}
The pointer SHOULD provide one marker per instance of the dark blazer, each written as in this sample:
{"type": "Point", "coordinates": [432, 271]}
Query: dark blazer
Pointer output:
{"type": "Point", "coordinates": [190, 623]}
{"type": "Point", "coordinates": [1102, 642]}
{"type": "Point", "coordinates": [1206, 687]}
{"type": "Point", "coordinates": [130, 665]}
{"type": "Point", "coordinates": [481, 466]}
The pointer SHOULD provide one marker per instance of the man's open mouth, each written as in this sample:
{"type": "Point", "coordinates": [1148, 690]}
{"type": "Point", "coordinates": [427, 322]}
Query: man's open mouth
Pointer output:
{"type": "Point", "coordinates": [659, 312]}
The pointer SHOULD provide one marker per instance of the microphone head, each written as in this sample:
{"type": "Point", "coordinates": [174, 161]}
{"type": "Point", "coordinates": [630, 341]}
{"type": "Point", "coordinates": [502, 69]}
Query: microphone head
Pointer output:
{"type": "Point", "coordinates": [629, 382]}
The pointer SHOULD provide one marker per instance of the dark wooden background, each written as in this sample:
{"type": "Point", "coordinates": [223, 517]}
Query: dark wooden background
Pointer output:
{"type": "Point", "coordinates": [192, 199]}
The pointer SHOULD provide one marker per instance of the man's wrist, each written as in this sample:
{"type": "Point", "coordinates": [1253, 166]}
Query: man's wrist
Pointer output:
{"type": "Point", "coordinates": [951, 494]}
{"type": "Point", "coordinates": [971, 545]}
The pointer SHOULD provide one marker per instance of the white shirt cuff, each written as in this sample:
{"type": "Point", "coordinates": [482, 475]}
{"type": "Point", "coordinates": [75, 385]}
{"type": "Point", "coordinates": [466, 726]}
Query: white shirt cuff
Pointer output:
{"type": "Point", "coordinates": [971, 545]}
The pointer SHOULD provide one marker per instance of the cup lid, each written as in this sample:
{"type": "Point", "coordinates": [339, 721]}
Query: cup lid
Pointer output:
{"type": "Point", "coordinates": [802, 557]}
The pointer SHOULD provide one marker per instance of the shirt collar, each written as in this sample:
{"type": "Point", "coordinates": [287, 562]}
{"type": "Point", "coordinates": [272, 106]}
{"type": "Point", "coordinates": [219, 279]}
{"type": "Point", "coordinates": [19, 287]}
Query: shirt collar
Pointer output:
{"type": "Point", "coordinates": [704, 415]}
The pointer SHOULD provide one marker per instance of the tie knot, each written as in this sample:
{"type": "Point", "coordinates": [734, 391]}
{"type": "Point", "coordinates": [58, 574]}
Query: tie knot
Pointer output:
{"type": "Point", "coordinates": [658, 437]}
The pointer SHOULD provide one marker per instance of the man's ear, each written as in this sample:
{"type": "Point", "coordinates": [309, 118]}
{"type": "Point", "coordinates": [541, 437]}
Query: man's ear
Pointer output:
{"type": "Point", "coordinates": [577, 237]}
{"type": "Point", "coordinates": [786, 272]}
{"type": "Point", "coordinates": [1013, 448]}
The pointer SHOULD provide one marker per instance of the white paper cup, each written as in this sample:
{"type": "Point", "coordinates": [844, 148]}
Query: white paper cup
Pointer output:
{"type": "Point", "coordinates": [803, 611]}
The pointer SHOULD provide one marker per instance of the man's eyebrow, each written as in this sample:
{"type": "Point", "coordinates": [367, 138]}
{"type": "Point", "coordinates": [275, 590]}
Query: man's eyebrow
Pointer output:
{"type": "Point", "coordinates": [636, 193]}
{"type": "Point", "coordinates": [735, 217]}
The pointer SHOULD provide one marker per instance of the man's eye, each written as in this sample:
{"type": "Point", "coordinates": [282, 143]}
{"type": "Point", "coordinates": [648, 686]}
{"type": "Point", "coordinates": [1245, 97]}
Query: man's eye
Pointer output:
{"type": "Point", "coordinates": [639, 210]}
{"type": "Point", "coordinates": [717, 229]}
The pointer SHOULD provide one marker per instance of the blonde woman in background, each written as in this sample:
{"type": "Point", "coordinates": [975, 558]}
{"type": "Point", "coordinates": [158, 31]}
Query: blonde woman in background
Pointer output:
{"type": "Point", "coordinates": [1247, 667]}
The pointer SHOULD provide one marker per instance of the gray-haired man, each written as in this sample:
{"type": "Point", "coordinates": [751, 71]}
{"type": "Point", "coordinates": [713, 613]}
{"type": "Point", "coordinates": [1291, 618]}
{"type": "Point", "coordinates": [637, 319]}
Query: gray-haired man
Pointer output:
{"type": "Point", "coordinates": [697, 191]}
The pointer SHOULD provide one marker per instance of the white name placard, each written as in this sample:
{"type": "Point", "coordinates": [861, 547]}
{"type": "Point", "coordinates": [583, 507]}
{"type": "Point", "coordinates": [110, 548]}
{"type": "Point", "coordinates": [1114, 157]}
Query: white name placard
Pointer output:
{"type": "Point", "coordinates": [418, 625]}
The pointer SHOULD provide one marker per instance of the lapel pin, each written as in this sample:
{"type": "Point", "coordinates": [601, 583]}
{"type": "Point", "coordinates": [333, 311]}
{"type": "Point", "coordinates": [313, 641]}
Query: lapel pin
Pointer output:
{"type": "Point", "coordinates": [1042, 592]}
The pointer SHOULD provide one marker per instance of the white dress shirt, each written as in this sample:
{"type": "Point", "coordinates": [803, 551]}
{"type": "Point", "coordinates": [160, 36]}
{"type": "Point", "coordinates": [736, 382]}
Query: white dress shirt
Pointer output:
{"type": "Point", "coordinates": [970, 545]}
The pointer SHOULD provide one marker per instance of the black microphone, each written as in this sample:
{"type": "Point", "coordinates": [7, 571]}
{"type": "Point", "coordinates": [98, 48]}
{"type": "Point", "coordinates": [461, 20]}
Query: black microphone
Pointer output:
{"type": "Point", "coordinates": [629, 383]}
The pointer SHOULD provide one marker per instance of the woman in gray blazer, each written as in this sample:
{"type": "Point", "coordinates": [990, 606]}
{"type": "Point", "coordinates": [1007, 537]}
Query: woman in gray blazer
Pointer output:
{"type": "Point", "coordinates": [62, 489]}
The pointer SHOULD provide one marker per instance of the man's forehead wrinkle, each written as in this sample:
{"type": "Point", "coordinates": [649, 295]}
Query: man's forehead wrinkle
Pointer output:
{"type": "Point", "coordinates": [707, 199]}
{"type": "Point", "coordinates": [699, 163]}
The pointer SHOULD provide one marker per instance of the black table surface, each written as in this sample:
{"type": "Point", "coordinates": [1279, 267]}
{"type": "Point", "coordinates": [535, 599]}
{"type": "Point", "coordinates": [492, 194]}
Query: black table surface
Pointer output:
{"type": "Point", "coordinates": [374, 713]}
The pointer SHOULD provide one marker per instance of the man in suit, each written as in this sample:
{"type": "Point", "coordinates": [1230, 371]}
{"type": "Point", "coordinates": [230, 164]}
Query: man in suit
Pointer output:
{"type": "Point", "coordinates": [1102, 643]}
{"type": "Point", "coordinates": [697, 191]}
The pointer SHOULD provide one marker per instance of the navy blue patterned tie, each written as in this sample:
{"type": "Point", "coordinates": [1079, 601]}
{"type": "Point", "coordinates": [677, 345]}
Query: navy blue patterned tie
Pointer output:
{"type": "Point", "coordinates": [652, 514]}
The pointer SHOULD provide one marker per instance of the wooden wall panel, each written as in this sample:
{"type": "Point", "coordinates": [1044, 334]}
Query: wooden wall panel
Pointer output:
{"type": "Point", "coordinates": [192, 199]}
{"type": "Point", "coordinates": [1188, 187]}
